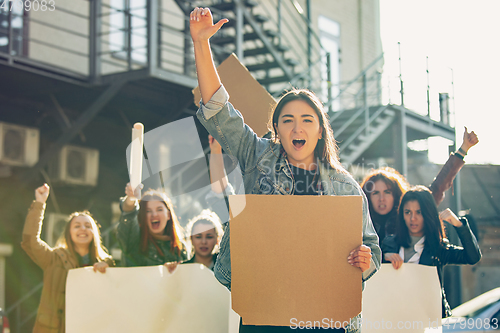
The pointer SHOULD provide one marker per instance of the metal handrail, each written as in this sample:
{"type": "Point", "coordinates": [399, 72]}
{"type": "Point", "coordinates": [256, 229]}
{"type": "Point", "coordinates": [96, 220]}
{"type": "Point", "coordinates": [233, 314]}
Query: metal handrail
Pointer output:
{"type": "Point", "coordinates": [17, 307]}
{"type": "Point", "coordinates": [317, 49]}
{"type": "Point", "coordinates": [351, 82]}
{"type": "Point", "coordinates": [361, 128]}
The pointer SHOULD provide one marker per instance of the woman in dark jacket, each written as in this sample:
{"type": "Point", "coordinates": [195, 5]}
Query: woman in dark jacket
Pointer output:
{"type": "Point", "coordinates": [384, 187]}
{"type": "Point", "coordinates": [420, 237]}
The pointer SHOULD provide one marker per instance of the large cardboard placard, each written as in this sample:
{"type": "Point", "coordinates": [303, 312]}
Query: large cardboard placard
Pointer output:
{"type": "Point", "coordinates": [245, 93]}
{"type": "Point", "coordinates": [289, 258]}
{"type": "Point", "coordinates": [406, 300]}
{"type": "Point", "coordinates": [148, 300]}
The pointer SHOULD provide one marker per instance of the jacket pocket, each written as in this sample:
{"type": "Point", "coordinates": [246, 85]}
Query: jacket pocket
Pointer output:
{"type": "Point", "coordinates": [48, 319]}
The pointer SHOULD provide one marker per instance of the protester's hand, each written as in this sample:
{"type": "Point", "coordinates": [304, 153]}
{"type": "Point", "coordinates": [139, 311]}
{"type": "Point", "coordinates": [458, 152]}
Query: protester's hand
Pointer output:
{"type": "Point", "coordinates": [133, 194]}
{"type": "Point", "coordinates": [360, 257]}
{"type": "Point", "coordinates": [450, 217]}
{"type": "Point", "coordinates": [470, 140]}
{"type": "Point", "coordinates": [171, 266]}
{"type": "Point", "coordinates": [201, 24]}
{"type": "Point", "coordinates": [101, 266]}
{"type": "Point", "coordinates": [42, 193]}
{"type": "Point", "coordinates": [395, 259]}
{"type": "Point", "coordinates": [215, 147]}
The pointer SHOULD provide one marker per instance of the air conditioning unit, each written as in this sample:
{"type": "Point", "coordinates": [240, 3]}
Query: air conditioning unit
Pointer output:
{"type": "Point", "coordinates": [53, 226]}
{"type": "Point", "coordinates": [19, 145]}
{"type": "Point", "coordinates": [76, 165]}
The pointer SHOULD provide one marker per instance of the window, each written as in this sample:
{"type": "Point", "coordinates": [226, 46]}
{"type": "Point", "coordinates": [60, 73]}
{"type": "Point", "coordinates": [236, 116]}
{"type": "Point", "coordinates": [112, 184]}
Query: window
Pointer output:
{"type": "Point", "coordinates": [17, 17]}
{"type": "Point", "coordinates": [128, 29]}
{"type": "Point", "coordinates": [329, 34]}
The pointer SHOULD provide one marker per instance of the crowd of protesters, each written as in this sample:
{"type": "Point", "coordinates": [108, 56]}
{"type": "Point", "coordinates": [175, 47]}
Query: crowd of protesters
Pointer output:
{"type": "Point", "coordinates": [400, 224]}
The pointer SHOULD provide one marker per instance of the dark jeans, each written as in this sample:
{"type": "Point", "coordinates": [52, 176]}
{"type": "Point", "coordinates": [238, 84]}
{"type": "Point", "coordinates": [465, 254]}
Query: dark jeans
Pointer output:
{"type": "Point", "coordinates": [280, 329]}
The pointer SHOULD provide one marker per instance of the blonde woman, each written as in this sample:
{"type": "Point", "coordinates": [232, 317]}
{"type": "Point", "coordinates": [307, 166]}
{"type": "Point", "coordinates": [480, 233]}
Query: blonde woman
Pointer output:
{"type": "Point", "coordinates": [205, 233]}
{"type": "Point", "coordinates": [80, 245]}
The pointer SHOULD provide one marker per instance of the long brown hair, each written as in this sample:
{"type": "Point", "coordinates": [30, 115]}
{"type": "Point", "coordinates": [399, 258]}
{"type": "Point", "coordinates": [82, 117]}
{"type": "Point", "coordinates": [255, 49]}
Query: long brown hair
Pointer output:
{"type": "Point", "coordinates": [172, 229]}
{"type": "Point", "coordinates": [326, 149]}
{"type": "Point", "coordinates": [433, 226]}
{"type": "Point", "coordinates": [97, 251]}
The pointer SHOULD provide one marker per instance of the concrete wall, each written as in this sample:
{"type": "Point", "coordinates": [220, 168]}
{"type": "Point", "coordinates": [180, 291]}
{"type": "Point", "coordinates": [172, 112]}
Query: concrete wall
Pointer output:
{"type": "Point", "coordinates": [47, 32]}
{"type": "Point", "coordinates": [359, 28]}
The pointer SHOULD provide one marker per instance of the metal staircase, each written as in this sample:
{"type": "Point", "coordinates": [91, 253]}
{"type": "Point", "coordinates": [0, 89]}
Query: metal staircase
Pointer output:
{"type": "Point", "coordinates": [361, 118]}
{"type": "Point", "coordinates": [355, 135]}
{"type": "Point", "coordinates": [254, 34]}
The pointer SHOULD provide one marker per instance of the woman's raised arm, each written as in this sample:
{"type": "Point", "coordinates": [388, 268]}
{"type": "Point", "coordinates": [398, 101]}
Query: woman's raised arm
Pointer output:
{"type": "Point", "coordinates": [202, 28]}
{"type": "Point", "coordinates": [35, 247]}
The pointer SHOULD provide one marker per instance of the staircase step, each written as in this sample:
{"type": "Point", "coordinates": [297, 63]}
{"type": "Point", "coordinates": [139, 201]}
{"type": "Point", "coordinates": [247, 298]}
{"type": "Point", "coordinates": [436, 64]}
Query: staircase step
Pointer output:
{"type": "Point", "coordinates": [230, 6]}
{"type": "Point", "coordinates": [271, 64]}
{"type": "Point", "coordinates": [263, 50]}
{"type": "Point", "coordinates": [282, 48]}
{"type": "Point", "coordinates": [232, 23]}
{"type": "Point", "coordinates": [255, 52]}
{"type": "Point", "coordinates": [246, 37]}
{"type": "Point", "coordinates": [276, 79]}
{"type": "Point", "coordinates": [360, 143]}
{"type": "Point", "coordinates": [260, 18]}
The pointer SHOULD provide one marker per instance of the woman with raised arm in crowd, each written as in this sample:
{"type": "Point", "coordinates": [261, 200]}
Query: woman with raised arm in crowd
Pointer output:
{"type": "Point", "coordinates": [80, 245]}
{"type": "Point", "coordinates": [420, 237]}
{"type": "Point", "coordinates": [148, 231]}
{"type": "Point", "coordinates": [300, 159]}
{"type": "Point", "coordinates": [384, 187]}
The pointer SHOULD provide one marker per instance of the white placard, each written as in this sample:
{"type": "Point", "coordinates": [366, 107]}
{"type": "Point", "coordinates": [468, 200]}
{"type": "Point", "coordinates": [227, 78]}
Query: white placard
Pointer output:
{"type": "Point", "coordinates": [407, 299]}
{"type": "Point", "coordinates": [148, 300]}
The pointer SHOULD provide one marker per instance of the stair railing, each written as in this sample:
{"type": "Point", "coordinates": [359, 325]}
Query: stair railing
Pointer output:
{"type": "Point", "coordinates": [365, 127]}
{"type": "Point", "coordinates": [285, 16]}
{"type": "Point", "coordinates": [16, 309]}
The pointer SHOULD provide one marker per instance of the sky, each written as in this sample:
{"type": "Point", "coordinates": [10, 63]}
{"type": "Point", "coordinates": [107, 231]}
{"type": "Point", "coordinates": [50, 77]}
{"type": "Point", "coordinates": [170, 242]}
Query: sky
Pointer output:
{"type": "Point", "coordinates": [460, 39]}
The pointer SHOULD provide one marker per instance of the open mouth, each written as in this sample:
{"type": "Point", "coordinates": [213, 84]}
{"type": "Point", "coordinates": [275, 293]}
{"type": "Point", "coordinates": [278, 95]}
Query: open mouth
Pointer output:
{"type": "Point", "coordinates": [155, 224]}
{"type": "Point", "coordinates": [298, 143]}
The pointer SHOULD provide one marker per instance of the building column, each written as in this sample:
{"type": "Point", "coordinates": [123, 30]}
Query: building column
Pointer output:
{"type": "Point", "coordinates": [5, 251]}
{"type": "Point", "coordinates": [400, 144]}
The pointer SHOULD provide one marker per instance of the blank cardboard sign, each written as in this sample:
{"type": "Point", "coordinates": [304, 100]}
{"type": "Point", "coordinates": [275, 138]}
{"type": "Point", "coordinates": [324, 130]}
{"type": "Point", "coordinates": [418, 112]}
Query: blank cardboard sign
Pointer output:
{"type": "Point", "coordinates": [245, 93]}
{"type": "Point", "coordinates": [289, 258]}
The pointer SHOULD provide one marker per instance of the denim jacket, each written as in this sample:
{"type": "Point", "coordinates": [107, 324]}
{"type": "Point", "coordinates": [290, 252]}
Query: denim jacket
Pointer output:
{"type": "Point", "coordinates": [265, 170]}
